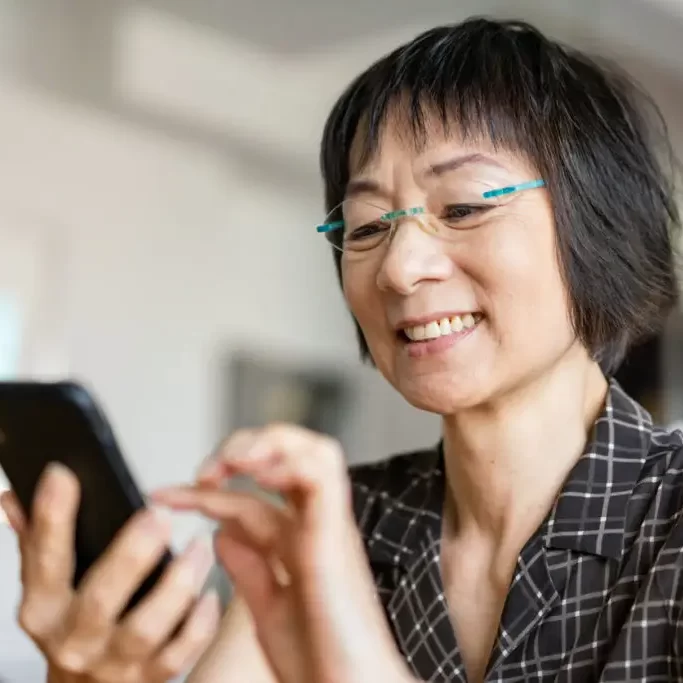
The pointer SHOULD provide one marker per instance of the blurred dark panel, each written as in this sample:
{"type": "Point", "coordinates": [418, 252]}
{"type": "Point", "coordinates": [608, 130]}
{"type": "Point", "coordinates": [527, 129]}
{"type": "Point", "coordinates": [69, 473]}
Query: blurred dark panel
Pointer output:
{"type": "Point", "coordinates": [265, 390]}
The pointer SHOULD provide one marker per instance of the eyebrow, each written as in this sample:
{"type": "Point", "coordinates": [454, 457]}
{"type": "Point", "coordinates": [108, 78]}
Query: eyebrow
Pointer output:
{"type": "Point", "coordinates": [463, 160]}
{"type": "Point", "coordinates": [364, 186]}
{"type": "Point", "coordinates": [367, 186]}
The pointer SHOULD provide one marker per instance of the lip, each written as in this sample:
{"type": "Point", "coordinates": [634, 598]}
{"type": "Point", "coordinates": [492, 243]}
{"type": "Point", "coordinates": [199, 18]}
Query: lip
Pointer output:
{"type": "Point", "coordinates": [432, 347]}
{"type": "Point", "coordinates": [431, 317]}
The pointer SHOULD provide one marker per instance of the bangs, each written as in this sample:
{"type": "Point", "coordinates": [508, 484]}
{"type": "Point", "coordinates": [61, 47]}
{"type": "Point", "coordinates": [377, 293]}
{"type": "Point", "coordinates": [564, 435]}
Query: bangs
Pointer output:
{"type": "Point", "coordinates": [597, 140]}
{"type": "Point", "coordinates": [475, 83]}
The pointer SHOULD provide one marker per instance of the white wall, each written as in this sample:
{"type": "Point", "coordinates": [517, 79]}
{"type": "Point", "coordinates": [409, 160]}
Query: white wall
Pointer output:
{"type": "Point", "coordinates": [176, 167]}
{"type": "Point", "coordinates": [174, 254]}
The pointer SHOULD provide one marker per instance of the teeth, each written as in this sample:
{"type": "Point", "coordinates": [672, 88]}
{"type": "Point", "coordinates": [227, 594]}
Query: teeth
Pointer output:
{"type": "Point", "coordinates": [445, 326]}
{"type": "Point", "coordinates": [418, 333]}
{"type": "Point", "coordinates": [432, 330]}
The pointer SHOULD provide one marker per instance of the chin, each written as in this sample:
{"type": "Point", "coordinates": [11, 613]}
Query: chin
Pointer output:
{"type": "Point", "coordinates": [443, 395]}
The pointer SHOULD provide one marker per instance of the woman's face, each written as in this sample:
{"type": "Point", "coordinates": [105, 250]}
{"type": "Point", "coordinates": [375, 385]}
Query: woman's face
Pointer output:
{"type": "Point", "coordinates": [499, 266]}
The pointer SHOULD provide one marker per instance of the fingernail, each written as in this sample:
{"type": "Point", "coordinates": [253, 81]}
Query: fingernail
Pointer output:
{"type": "Point", "coordinates": [53, 480]}
{"type": "Point", "coordinates": [57, 469]}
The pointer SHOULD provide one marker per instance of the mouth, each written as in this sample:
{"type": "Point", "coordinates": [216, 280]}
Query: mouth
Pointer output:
{"type": "Point", "coordinates": [441, 327]}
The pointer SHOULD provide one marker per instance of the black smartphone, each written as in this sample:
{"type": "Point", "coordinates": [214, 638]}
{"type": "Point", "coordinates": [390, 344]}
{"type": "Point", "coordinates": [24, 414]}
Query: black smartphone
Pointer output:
{"type": "Point", "coordinates": [61, 421]}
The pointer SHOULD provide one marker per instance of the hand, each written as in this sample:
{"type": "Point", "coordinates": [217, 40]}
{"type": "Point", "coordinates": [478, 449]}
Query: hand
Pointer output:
{"type": "Point", "coordinates": [300, 567]}
{"type": "Point", "coordinates": [77, 631]}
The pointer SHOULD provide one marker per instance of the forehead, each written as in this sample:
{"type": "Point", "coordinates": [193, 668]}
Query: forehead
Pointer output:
{"type": "Point", "coordinates": [430, 149]}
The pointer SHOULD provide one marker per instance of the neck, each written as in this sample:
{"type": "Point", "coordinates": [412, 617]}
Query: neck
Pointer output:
{"type": "Point", "coordinates": [506, 462]}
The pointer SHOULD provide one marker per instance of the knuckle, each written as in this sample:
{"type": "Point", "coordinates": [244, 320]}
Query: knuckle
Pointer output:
{"type": "Point", "coordinates": [141, 637]}
{"type": "Point", "coordinates": [44, 560]}
{"type": "Point", "coordinates": [170, 664]}
{"type": "Point", "coordinates": [93, 606]}
{"type": "Point", "coordinates": [31, 618]}
{"type": "Point", "coordinates": [68, 659]}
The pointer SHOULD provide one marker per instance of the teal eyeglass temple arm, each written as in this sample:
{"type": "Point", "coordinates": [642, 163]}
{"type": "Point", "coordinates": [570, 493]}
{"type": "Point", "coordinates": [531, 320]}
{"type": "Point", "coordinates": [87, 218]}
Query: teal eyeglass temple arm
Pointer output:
{"type": "Point", "coordinates": [531, 185]}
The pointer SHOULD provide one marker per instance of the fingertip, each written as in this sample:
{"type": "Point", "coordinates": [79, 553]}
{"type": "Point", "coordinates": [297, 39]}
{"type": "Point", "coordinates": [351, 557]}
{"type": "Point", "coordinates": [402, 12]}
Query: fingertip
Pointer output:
{"type": "Point", "coordinates": [13, 512]}
{"type": "Point", "coordinates": [165, 492]}
{"type": "Point", "coordinates": [59, 471]}
{"type": "Point", "coordinates": [58, 482]}
{"type": "Point", "coordinates": [160, 517]}
{"type": "Point", "coordinates": [171, 497]}
{"type": "Point", "coordinates": [209, 471]}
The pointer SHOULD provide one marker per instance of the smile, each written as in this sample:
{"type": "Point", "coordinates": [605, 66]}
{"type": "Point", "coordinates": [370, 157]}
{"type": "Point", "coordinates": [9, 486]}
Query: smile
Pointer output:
{"type": "Point", "coordinates": [442, 328]}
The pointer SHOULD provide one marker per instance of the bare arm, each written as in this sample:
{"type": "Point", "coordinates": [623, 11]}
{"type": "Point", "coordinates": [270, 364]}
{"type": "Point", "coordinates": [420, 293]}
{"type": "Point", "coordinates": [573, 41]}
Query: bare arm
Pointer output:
{"type": "Point", "coordinates": [235, 654]}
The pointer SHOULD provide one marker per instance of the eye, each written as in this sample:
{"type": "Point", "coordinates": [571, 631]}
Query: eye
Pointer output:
{"type": "Point", "coordinates": [367, 231]}
{"type": "Point", "coordinates": [457, 212]}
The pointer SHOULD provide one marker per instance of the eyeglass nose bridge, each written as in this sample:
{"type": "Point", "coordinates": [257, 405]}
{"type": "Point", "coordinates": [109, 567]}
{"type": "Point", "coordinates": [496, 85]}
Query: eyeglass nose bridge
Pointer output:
{"type": "Point", "coordinates": [419, 213]}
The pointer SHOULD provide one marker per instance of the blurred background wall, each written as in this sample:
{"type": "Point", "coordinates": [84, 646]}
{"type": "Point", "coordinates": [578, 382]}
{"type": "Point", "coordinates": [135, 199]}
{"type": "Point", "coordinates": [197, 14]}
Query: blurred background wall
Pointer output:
{"type": "Point", "coordinates": [158, 179]}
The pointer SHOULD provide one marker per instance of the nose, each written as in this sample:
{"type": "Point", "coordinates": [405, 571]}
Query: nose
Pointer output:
{"type": "Point", "coordinates": [412, 257]}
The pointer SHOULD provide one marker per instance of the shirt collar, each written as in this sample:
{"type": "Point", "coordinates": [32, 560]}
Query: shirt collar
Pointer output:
{"type": "Point", "coordinates": [590, 513]}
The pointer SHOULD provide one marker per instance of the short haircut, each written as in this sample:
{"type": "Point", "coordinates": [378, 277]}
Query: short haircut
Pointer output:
{"type": "Point", "coordinates": [597, 140]}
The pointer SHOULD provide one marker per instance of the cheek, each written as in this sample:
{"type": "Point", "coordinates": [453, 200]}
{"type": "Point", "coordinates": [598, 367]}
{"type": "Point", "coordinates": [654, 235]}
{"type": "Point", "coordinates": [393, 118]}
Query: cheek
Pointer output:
{"type": "Point", "coordinates": [362, 296]}
{"type": "Point", "coordinates": [520, 276]}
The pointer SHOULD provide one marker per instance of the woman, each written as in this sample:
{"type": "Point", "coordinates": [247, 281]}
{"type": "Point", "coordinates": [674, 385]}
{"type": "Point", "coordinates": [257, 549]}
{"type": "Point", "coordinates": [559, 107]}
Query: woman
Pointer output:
{"type": "Point", "coordinates": [503, 234]}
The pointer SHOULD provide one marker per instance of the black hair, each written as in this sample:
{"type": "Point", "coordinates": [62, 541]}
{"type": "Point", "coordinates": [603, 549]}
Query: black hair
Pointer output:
{"type": "Point", "coordinates": [598, 141]}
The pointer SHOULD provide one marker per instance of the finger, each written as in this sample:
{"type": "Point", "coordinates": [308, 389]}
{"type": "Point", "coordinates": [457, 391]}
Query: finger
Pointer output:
{"type": "Point", "coordinates": [266, 524]}
{"type": "Point", "coordinates": [150, 625]}
{"type": "Point", "coordinates": [246, 447]}
{"type": "Point", "coordinates": [217, 467]}
{"type": "Point", "coordinates": [266, 444]}
{"type": "Point", "coordinates": [307, 468]}
{"type": "Point", "coordinates": [314, 464]}
{"type": "Point", "coordinates": [13, 511]}
{"type": "Point", "coordinates": [109, 584]}
{"type": "Point", "coordinates": [250, 571]}
{"type": "Point", "coordinates": [50, 551]}
{"type": "Point", "coordinates": [195, 636]}
{"type": "Point", "coordinates": [47, 557]}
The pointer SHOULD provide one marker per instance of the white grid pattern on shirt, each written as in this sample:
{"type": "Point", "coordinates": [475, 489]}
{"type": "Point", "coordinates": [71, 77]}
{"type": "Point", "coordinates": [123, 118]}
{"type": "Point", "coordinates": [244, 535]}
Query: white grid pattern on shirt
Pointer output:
{"type": "Point", "coordinates": [598, 590]}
